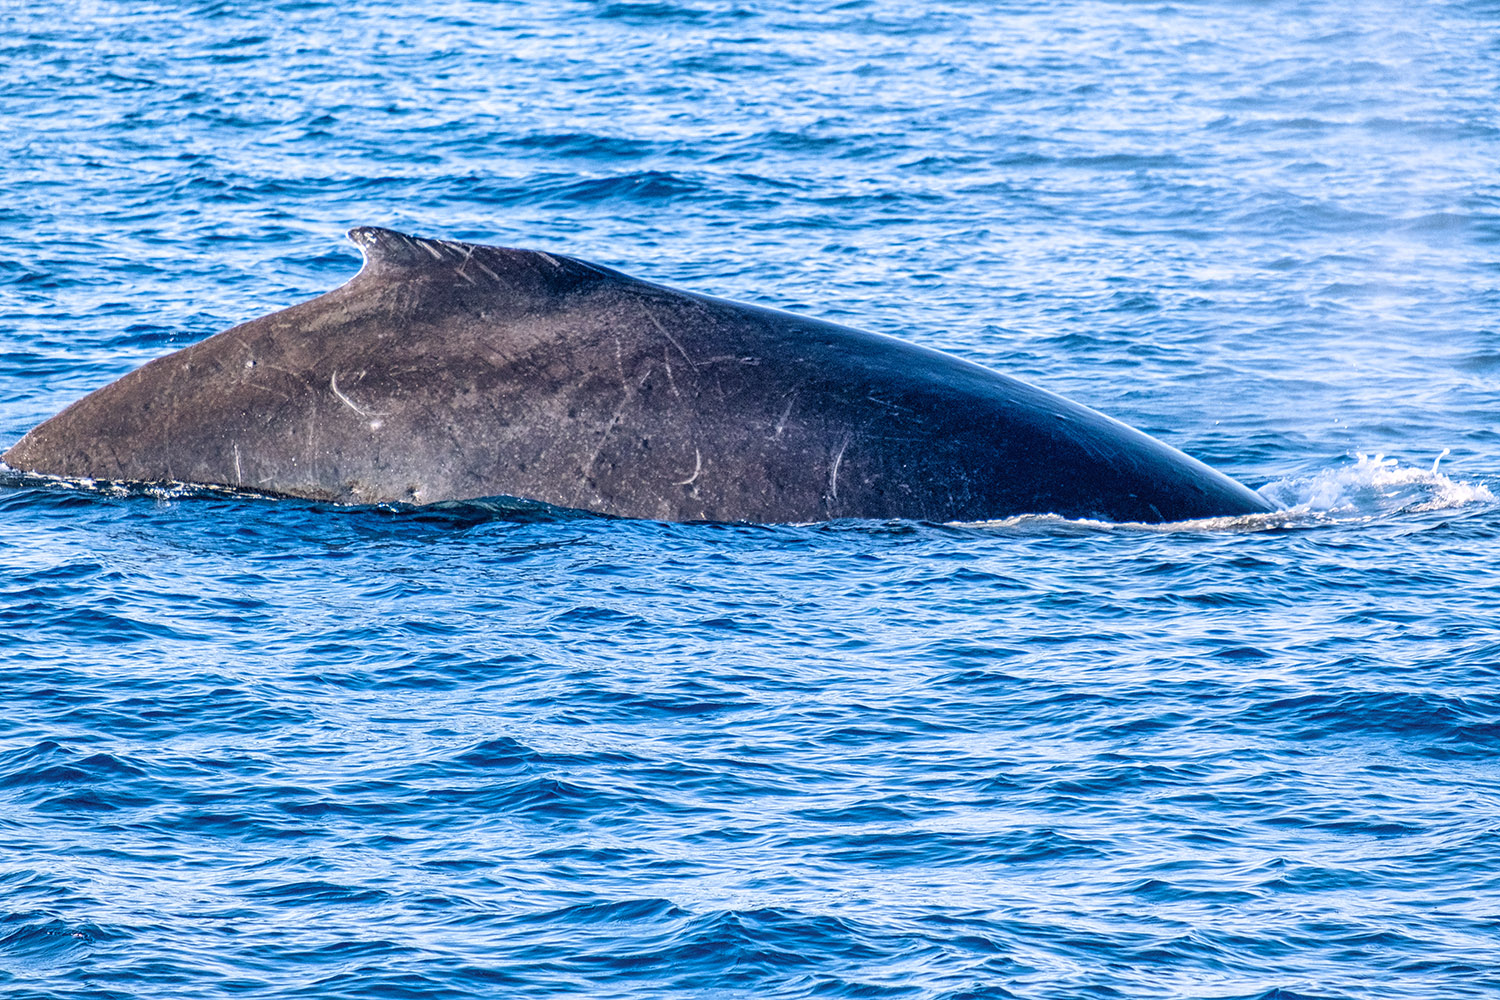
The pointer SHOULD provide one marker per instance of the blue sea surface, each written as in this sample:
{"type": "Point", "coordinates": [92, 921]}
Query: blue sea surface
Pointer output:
{"type": "Point", "coordinates": [256, 747]}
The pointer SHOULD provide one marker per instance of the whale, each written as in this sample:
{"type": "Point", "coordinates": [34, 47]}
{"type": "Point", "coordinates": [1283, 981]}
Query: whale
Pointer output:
{"type": "Point", "coordinates": [450, 371]}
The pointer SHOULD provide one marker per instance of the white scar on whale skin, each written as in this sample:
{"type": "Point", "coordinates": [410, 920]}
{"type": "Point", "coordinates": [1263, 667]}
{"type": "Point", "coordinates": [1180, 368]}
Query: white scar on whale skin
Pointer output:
{"type": "Point", "coordinates": [468, 252]}
{"type": "Point", "coordinates": [833, 472]}
{"type": "Point", "coordinates": [697, 468]}
{"type": "Point", "coordinates": [781, 424]}
{"type": "Point", "coordinates": [333, 383]}
{"type": "Point", "coordinates": [674, 341]}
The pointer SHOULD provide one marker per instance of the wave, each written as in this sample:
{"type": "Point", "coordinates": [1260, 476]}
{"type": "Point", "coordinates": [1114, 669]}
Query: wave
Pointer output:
{"type": "Point", "coordinates": [1375, 486]}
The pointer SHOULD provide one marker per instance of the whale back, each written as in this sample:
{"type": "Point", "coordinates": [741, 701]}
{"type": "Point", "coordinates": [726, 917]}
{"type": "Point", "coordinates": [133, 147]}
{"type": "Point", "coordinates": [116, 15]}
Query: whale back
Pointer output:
{"type": "Point", "coordinates": [449, 371]}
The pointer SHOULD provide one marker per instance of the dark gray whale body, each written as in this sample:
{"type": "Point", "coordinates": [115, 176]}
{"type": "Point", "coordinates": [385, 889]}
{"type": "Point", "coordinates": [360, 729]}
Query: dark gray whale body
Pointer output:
{"type": "Point", "coordinates": [450, 371]}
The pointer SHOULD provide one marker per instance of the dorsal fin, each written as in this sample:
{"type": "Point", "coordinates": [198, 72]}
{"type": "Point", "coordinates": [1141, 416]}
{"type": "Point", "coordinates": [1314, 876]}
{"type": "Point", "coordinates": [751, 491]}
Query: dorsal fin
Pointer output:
{"type": "Point", "coordinates": [388, 252]}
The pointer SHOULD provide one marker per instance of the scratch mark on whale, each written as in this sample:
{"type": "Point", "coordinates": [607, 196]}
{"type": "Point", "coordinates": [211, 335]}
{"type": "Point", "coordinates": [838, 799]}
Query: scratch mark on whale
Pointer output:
{"type": "Point", "coordinates": [333, 383]}
{"type": "Point", "coordinates": [697, 468]}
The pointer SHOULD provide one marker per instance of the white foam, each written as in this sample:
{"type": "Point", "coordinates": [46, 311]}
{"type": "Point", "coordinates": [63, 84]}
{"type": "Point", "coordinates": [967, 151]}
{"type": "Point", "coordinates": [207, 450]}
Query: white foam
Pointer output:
{"type": "Point", "coordinates": [1376, 485]}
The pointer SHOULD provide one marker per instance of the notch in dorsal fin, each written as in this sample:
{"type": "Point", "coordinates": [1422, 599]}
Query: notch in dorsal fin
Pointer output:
{"type": "Point", "coordinates": [387, 251]}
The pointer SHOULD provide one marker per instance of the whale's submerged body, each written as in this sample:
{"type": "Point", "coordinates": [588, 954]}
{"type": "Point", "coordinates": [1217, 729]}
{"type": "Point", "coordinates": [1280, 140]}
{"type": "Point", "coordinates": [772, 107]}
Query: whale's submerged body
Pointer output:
{"type": "Point", "coordinates": [451, 371]}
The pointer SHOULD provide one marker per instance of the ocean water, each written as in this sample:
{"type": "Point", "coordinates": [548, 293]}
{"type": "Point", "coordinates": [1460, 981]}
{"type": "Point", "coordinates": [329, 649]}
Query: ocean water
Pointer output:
{"type": "Point", "coordinates": [271, 748]}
